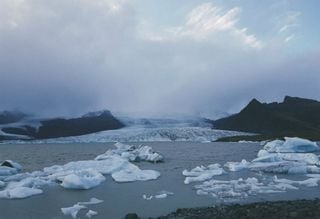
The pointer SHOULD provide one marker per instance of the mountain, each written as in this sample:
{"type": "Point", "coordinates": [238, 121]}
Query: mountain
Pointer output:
{"type": "Point", "coordinates": [60, 127]}
{"type": "Point", "coordinates": [293, 117]}
{"type": "Point", "coordinates": [7, 117]}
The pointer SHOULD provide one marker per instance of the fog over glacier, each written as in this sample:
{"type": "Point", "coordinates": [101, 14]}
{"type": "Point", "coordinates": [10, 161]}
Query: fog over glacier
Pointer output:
{"type": "Point", "coordinates": [204, 58]}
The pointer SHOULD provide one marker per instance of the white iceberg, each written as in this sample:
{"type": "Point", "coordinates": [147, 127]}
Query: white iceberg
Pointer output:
{"type": "Point", "coordinates": [74, 175]}
{"type": "Point", "coordinates": [12, 164]}
{"type": "Point", "coordinates": [133, 153]}
{"type": "Point", "coordinates": [237, 166]}
{"type": "Point", "coordinates": [160, 195]}
{"type": "Point", "coordinates": [291, 145]}
{"type": "Point", "coordinates": [19, 192]}
{"type": "Point", "coordinates": [202, 173]}
{"type": "Point", "coordinates": [91, 213]}
{"type": "Point", "coordinates": [84, 179]}
{"type": "Point", "coordinates": [72, 211]}
{"type": "Point", "coordinates": [264, 156]}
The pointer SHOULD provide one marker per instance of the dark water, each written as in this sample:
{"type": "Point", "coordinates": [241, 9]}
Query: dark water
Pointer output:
{"type": "Point", "coordinates": [122, 198]}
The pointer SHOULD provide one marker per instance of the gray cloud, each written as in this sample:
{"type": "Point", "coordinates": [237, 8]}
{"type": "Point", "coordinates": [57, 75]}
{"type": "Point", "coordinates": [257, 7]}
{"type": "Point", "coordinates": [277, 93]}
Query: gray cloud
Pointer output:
{"type": "Point", "coordinates": [67, 57]}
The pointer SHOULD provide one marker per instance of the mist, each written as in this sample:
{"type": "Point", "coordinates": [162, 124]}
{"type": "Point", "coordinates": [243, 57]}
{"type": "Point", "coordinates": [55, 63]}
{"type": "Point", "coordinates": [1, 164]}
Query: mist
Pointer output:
{"type": "Point", "coordinates": [69, 57]}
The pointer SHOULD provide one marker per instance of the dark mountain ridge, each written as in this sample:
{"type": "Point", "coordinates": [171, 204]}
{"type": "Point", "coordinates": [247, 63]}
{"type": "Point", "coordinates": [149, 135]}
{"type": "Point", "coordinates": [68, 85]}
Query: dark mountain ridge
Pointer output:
{"type": "Point", "coordinates": [60, 127]}
{"type": "Point", "coordinates": [294, 116]}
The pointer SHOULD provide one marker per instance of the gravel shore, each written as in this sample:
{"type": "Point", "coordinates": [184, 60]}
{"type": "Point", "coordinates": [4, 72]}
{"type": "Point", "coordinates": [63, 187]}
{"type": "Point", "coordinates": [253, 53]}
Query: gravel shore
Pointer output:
{"type": "Point", "coordinates": [298, 209]}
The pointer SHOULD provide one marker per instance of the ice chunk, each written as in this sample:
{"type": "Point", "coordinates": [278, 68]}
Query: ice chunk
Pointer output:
{"type": "Point", "coordinates": [268, 158]}
{"type": "Point", "coordinates": [92, 201]}
{"type": "Point", "coordinates": [276, 167]}
{"type": "Point", "coordinates": [308, 158]}
{"type": "Point", "coordinates": [83, 179]}
{"type": "Point", "coordinates": [237, 166]}
{"type": "Point", "coordinates": [202, 173]}
{"type": "Point", "coordinates": [72, 211]}
{"type": "Point", "coordinates": [12, 164]}
{"type": "Point", "coordinates": [262, 153]}
{"type": "Point", "coordinates": [19, 192]}
{"type": "Point", "coordinates": [160, 195]}
{"type": "Point", "coordinates": [91, 213]}
{"type": "Point", "coordinates": [135, 174]}
{"type": "Point", "coordinates": [132, 153]}
{"type": "Point", "coordinates": [6, 171]}
{"type": "Point", "coordinates": [291, 145]}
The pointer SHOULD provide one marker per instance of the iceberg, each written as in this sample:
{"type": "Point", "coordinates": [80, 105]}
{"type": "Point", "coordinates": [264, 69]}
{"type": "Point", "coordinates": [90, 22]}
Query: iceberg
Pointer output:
{"type": "Point", "coordinates": [19, 192]}
{"type": "Point", "coordinates": [160, 195]}
{"type": "Point", "coordinates": [237, 166]}
{"type": "Point", "coordinates": [84, 174]}
{"type": "Point", "coordinates": [202, 173]}
{"type": "Point", "coordinates": [133, 153]}
{"type": "Point", "coordinates": [84, 179]}
{"type": "Point", "coordinates": [72, 211]}
{"type": "Point", "coordinates": [91, 213]}
{"type": "Point", "coordinates": [291, 145]}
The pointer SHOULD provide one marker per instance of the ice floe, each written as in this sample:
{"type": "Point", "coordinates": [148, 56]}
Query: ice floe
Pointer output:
{"type": "Point", "coordinates": [83, 179]}
{"type": "Point", "coordinates": [91, 213]}
{"type": "Point", "coordinates": [291, 156]}
{"type": "Point", "coordinates": [133, 153]}
{"type": "Point", "coordinates": [202, 173]}
{"type": "Point", "coordinates": [19, 192]}
{"type": "Point", "coordinates": [160, 195]}
{"type": "Point", "coordinates": [74, 210]}
{"type": "Point", "coordinates": [84, 174]}
{"type": "Point", "coordinates": [291, 145]}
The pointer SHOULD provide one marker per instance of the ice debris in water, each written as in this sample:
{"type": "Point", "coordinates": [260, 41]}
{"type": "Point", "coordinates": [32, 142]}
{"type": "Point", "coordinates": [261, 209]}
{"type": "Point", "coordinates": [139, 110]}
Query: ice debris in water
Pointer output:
{"type": "Point", "coordinates": [78, 174]}
{"type": "Point", "coordinates": [74, 210]}
{"type": "Point", "coordinates": [160, 195]}
{"type": "Point", "coordinates": [237, 166]}
{"type": "Point", "coordinates": [292, 156]}
{"type": "Point", "coordinates": [83, 179]}
{"type": "Point", "coordinates": [91, 213]}
{"type": "Point", "coordinates": [133, 153]}
{"type": "Point", "coordinates": [202, 173]}
{"type": "Point", "coordinates": [291, 145]}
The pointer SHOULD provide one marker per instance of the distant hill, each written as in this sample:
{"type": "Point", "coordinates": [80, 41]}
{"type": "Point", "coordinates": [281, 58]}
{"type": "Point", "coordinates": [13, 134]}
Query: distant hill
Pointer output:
{"type": "Point", "coordinates": [7, 117]}
{"type": "Point", "coordinates": [60, 127]}
{"type": "Point", "coordinates": [293, 117]}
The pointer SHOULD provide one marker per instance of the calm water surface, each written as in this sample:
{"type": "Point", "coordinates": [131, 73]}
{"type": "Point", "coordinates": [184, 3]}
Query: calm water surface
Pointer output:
{"type": "Point", "coordinates": [122, 198]}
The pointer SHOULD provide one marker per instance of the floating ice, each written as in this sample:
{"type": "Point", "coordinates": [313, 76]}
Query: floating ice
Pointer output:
{"type": "Point", "coordinates": [133, 153]}
{"type": "Point", "coordinates": [91, 213]}
{"type": "Point", "coordinates": [75, 175]}
{"type": "Point", "coordinates": [237, 166]}
{"type": "Point", "coordinates": [83, 179]}
{"type": "Point", "coordinates": [291, 145]}
{"type": "Point", "coordinates": [12, 164]}
{"type": "Point", "coordinates": [19, 192]}
{"type": "Point", "coordinates": [160, 195]}
{"type": "Point", "coordinates": [5, 171]}
{"type": "Point", "coordinates": [264, 156]}
{"type": "Point", "coordinates": [72, 211]}
{"type": "Point", "coordinates": [202, 173]}
{"type": "Point", "coordinates": [92, 201]}
{"type": "Point", "coordinates": [291, 156]}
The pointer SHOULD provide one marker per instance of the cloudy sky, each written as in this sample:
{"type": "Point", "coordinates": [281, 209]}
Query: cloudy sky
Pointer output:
{"type": "Point", "coordinates": [152, 56]}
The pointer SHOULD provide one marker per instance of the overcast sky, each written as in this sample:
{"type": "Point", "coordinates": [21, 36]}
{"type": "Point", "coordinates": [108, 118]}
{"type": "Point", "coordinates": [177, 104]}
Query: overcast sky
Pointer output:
{"type": "Point", "coordinates": [150, 56]}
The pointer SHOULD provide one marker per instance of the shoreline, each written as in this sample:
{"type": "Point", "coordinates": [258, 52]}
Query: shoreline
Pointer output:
{"type": "Point", "coordinates": [260, 210]}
